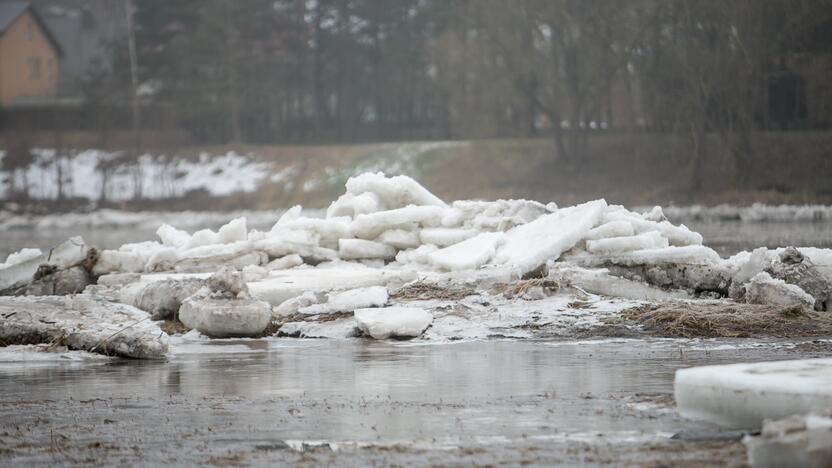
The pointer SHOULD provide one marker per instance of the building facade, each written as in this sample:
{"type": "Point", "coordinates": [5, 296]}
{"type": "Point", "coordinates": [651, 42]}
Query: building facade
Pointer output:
{"type": "Point", "coordinates": [29, 56]}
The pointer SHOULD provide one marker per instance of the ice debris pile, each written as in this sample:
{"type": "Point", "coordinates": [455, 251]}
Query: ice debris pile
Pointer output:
{"type": "Point", "coordinates": [353, 271]}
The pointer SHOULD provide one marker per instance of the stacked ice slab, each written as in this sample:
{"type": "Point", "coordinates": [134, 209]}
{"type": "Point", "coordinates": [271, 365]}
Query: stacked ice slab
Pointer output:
{"type": "Point", "coordinates": [385, 227]}
{"type": "Point", "coordinates": [395, 221]}
{"type": "Point", "coordinates": [387, 231]}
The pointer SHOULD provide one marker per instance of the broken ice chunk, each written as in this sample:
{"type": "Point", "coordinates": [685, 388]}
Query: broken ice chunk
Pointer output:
{"type": "Point", "coordinates": [400, 238]}
{"type": "Point", "coordinates": [394, 192]}
{"type": "Point", "coordinates": [334, 329]}
{"type": "Point", "coordinates": [234, 231]}
{"type": "Point", "coordinates": [353, 205]}
{"type": "Point", "coordinates": [254, 273]}
{"type": "Point", "coordinates": [744, 395]}
{"type": "Point", "coordinates": [655, 215]}
{"type": "Point", "coordinates": [600, 281]}
{"type": "Point", "coordinates": [417, 255]}
{"type": "Point", "coordinates": [21, 256]}
{"type": "Point", "coordinates": [223, 318]}
{"type": "Point", "coordinates": [469, 254]}
{"type": "Point", "coordinates": [286, 284]}
{"type": "Point", "coordinates": [689, 255]}
{"type": "Point", "coordinates": [348, 301]}
{"type": "Point", "coordinates": [328, 230]}
{"type": "Point", "coordinates": [393, 322]}
{"type": "Point", "coordinates": [68, 253]}
{"type": "Point", "coordinates": [797, 441]}
{"type": "Point", "coordinates": [116, 261]}
{"type": "Point", "coordinates": [162, 299]}
{"type": "Point", "coordinates": [82, 322]}
{"type": "Point", "coordinates": [443, 237]}
{"type": "Point", "coordinates": [613, 245]}
{"type": "Point", "coordinates": [202, 238]}
{"type": "Point", "coordinates": [172, 237]}
{"type": "Point", "coordinates": [20, 273]}
{"type": "Point", "coordinates": [611, 229]}
{"type": "Point", "coordinates": [763, 289]}
{"type": "Point", "coordinates": [354, 249]}
{"type": "Point", "coordinates": [370, 226]}
{"type": "Point", "coordinates": [530, 245]}
{"type": "Point", "coordinates": [285, 262]}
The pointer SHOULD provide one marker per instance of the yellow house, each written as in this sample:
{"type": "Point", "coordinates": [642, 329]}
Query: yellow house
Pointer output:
{"type": "Point", "coordinates": [28, 55]}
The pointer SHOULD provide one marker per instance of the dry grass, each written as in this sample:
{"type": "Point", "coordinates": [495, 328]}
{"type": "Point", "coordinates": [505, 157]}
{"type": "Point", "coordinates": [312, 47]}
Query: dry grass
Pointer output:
{"type": "Point", "coordinates": [730, 320]}
{"type": "Point", "coordinates": [422, 291]}
{"type": "Point", "coordinates": [173, 327]}
{"type": "Point", "coordinates": [521, 287]}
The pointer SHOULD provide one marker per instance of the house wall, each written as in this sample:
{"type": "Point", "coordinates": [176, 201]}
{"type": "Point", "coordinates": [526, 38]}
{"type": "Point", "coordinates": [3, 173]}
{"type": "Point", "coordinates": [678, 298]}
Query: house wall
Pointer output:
{"type": "Point", "coordinates": [28, 62]}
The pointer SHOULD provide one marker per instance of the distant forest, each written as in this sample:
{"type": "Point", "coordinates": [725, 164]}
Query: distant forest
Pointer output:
{"type": "Point", "coordinates": [279, 71]}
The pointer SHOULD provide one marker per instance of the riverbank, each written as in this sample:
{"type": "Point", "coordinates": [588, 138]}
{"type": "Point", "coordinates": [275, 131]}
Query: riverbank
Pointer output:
{"type": "Point", "coordinates": [627, 168]}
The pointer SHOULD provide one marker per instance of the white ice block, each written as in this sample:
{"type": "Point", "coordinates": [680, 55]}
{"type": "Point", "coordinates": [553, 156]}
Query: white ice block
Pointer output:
{"type": "Point", "coordinates": [469, 254]}
{"type": "Point", "coordinates": [530, 245]}
{"type": "Point", "coordinates": [393, 322]}
{"type": "Point", "coordinates": [742, 395]}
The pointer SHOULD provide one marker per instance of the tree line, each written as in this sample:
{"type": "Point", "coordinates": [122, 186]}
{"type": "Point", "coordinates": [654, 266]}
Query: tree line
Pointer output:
{"type": "Point", "coordinates": [269, 71]}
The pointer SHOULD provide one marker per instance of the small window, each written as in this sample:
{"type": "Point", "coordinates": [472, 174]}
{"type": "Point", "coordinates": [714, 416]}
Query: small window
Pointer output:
{"type": "Point", "coordinates": [34, 68]}
{"type": "Point", "coordinates": [50, 69]}
{"type": "Point", "coordinates": [30, 30]}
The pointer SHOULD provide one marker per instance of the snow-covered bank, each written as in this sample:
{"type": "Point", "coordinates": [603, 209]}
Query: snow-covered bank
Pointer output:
{"type": "Point", "coordinates": [390, 259]}
{"type": "Point", "coordinates": [98, 175]}
{"type": "Point", "coordinates": [113, 176]}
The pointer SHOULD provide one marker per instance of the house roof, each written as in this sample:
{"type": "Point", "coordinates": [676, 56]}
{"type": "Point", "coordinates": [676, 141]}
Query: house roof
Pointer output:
{"type": "Point", "coordinates": [10, 11]}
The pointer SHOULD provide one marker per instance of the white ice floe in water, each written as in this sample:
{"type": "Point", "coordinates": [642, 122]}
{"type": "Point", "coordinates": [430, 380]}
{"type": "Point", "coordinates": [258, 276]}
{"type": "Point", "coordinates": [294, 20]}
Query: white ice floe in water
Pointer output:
{"type": "Point", "coordinates": [741, 396]}
{"type": "Point", "coordinates": [225, 318]}
{"type": "Point", "coordinates": [393, 322]}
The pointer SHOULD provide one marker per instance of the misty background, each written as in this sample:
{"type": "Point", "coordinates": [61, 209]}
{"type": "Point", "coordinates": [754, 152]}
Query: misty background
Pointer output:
{"type": "Point", "coordinates": [213, 104]}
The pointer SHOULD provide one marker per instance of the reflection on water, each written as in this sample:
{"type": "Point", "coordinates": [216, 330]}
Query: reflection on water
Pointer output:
{"type": "Point", "coordinates": [354, 390]}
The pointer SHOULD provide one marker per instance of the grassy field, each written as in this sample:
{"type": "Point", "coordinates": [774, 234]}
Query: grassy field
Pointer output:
{"type": "Point", "coordinates": [635, 169]}
{"type": "Point", "coordinates": [631, 169]}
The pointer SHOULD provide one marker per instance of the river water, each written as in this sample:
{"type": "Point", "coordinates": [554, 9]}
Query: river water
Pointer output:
{"type": "Point", "coordinates": [237, 396]}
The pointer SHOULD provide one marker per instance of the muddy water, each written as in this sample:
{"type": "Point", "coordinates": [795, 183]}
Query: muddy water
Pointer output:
{"type": "Point", "coordinates": [234, 396]}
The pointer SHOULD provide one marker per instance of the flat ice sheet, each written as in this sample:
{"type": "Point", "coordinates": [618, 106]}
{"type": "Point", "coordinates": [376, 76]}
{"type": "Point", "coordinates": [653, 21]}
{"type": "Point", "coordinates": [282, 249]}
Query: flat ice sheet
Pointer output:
{"type": "Point", "coordinates": [742, 395]}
